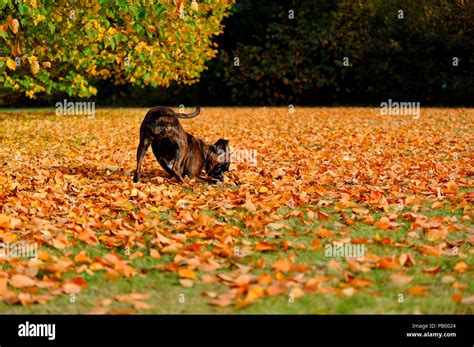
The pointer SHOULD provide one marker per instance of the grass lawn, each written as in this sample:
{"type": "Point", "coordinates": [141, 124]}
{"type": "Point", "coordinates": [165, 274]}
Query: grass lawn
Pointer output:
{"type": "Point", "coordinates": [399, 187]}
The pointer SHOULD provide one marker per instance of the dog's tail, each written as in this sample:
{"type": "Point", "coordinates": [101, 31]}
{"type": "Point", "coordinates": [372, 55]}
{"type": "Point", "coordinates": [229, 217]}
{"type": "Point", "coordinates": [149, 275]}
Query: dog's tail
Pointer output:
{"type": "Point", "coordinates": [191, 115]}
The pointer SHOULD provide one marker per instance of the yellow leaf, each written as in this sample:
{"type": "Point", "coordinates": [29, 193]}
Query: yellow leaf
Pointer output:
{"type": "Point", "coordinates": [34, 67]}
{"type": "Point", "coordinates": [4, 221]}
{"type": "Point", "coordinates": [187, 273]}
{"type": "Point", "coordinates": [11, 64]}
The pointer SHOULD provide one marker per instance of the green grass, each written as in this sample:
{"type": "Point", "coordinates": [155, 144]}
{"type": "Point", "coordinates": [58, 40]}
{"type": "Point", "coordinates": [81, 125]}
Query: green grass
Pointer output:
{"type": "Point", "coordinates": [380, 297]}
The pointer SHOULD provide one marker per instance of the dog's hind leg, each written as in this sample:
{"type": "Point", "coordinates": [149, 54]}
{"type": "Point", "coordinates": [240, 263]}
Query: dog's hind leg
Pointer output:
{"type": "Point", "coordinates": [164, 164]}
{"type": "Point", "coordinates": [141, 151]}
{"type": "Point", "coordinates": [177, 165]}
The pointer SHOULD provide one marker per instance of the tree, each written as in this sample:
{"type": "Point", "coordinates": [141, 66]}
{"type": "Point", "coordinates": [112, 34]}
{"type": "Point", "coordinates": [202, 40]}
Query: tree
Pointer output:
{"type": "Point", "coordinates": [70, 47]}
{"type": "Point", "coordinates": [313, 52]}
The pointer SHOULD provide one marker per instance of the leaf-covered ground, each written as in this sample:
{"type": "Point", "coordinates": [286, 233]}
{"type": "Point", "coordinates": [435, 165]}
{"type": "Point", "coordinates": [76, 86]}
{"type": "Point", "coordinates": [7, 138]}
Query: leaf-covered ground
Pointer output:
{"type": "Point", "coordinates": [401, 187]}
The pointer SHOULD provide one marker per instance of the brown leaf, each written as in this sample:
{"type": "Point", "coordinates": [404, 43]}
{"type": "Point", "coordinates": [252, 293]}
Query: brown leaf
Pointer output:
{"type": "Point", "coordinates": [433, 270]}
{"type": "Point", "coordinates": [14, 24]}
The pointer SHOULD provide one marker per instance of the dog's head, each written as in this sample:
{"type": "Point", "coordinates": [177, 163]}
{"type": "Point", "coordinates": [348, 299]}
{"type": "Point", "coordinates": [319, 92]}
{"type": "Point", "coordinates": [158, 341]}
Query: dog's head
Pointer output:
{"type": "Point", "coordinates": [218, 160]}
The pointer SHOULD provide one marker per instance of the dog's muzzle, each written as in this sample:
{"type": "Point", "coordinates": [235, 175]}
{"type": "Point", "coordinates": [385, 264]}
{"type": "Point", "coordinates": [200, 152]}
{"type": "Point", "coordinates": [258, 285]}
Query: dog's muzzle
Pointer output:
{"type": "Point", "coordinates": [217, 174]}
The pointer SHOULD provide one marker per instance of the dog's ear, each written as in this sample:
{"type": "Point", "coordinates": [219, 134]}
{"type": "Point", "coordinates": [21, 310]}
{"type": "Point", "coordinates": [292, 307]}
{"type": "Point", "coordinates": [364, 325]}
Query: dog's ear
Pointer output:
{"type": "Point", "coordinates": [222, 146]}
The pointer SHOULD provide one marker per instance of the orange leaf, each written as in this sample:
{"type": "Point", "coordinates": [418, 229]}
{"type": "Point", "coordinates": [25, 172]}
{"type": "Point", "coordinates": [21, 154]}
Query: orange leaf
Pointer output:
{"type": "Point", "coordinates": [323, 232]}
{"type": "Point", "coordinates": [461, 267]}
{"type": "Point", "coordinates": [406, 259]}
{"type": "Point", "coordinates": [4, 221]}
{"type": "Point", "coordinates": [436, 234]}
{"type": "Point", "coordinates": [282, 265]}
{"type": "Point", "coordinates": [82, 257]}
{"type": "Point", "coordinates": [316, 244]}
{"type": "Point", "coordinates": [383, 223]}
{"type": "Point", "coordinates": [187, 273]}
{"type": "Point", "coordinates": [418, 290]}
{"type": "Point", "coordinates": [154, 253]}
{"type": "Point", "coordinates": [264, 246]}
{"type": "Point", "coordinates": [323, 216]}
{"type": "Point", "coordinates": [21, 281]}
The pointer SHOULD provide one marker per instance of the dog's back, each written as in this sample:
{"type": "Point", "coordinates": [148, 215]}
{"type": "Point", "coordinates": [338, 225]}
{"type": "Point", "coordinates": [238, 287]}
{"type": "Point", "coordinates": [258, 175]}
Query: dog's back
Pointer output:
{"type": "Point", "coordinates": [157, 120]}
{"type": "Point", "coordinates": [161, 128]}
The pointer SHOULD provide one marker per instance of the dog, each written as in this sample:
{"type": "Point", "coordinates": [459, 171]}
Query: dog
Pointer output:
{"type": "Point", "coordinates": [177, 151]}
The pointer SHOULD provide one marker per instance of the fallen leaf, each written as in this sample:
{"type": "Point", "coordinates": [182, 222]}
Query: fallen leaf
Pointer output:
{"type": "Point", "coordinates": [71, 288]}
{"type": "Point", "coordinates": [323, 216]}
{"type": "Point", "coordinates": [21, 281]}
{"type": "Point", "coordinates": [186, 282]}
{"type": "Point", "coordinates": [433, 270]}
{"type": "Point", "coordinates": [461, 267]}
{"type": "Point", "coordinates": [187, 273]}
{"type": "Point", "coordinates": [400, 279]}
{"type": "Point", "coordinates": [418, 290]}
{"type": "Point", "coordinates": [282, 265]}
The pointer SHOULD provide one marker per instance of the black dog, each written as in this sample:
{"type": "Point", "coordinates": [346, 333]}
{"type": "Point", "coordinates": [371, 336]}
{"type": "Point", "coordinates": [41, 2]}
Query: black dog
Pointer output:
{"type": "Point", "coordinates": [178, 152]}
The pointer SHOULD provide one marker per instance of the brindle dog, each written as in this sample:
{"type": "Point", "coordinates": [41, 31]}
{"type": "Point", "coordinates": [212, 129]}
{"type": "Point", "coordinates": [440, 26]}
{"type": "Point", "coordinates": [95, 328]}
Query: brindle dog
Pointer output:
{"type": "Point", "coordinates": [178, 152]}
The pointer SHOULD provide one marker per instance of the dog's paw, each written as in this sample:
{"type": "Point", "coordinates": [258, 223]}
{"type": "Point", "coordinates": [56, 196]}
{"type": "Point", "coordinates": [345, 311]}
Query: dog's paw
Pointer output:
{"type": "Point", "coordinates": [135, 178]}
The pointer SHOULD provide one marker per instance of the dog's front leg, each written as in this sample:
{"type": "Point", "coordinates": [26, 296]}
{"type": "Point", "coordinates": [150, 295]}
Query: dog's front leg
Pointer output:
{"type": "Point", "coordinates": [200, 180]}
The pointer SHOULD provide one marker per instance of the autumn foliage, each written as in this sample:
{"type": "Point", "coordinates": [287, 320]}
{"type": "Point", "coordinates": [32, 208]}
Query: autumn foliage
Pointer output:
{"type": "Point", "coordinates": [398, 186]}
{"type": "Point", "coordinates": [67, 48]}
